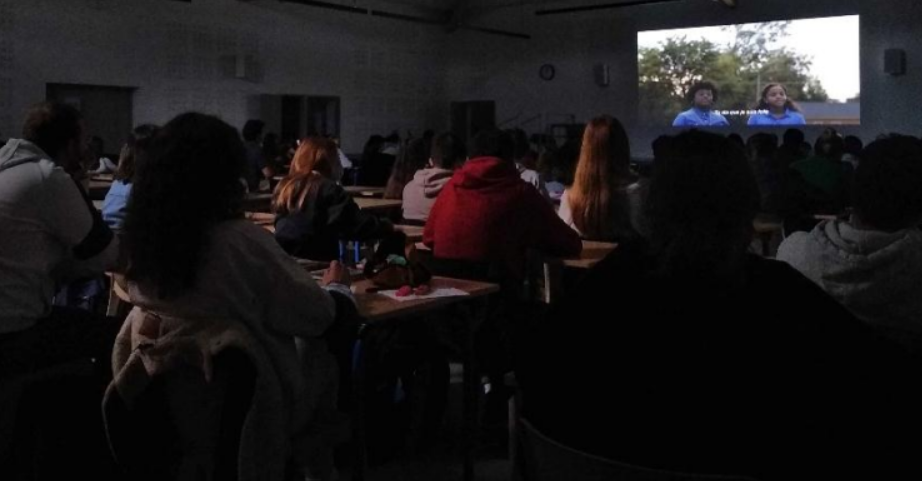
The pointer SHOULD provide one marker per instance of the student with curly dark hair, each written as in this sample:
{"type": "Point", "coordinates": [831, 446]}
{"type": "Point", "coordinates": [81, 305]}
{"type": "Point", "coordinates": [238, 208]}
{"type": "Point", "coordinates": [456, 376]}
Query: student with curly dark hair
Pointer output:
{"type": "Point", "coordinates": [702, 96]}
{"type": "Point", "coordinates": [197, 268]}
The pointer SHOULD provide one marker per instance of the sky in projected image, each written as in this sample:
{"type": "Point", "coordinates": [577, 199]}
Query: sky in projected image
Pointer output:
{"type": "Point", "coordinates": [831, 43]}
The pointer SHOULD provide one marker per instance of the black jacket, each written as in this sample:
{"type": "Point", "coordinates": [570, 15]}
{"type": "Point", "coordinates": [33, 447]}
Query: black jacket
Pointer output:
{"type": "Point", "coordinates": [769, 378]}
{"type": "Point", "coordinates": [314, 231]}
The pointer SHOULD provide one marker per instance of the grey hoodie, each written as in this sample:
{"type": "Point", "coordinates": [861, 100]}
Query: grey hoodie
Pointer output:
{"type": "Point", "coordinates": [420, 193]}
{"type": "Point", "coordinates": [877, 275]}
{"type": "Point", "coordinates": [46, 230]}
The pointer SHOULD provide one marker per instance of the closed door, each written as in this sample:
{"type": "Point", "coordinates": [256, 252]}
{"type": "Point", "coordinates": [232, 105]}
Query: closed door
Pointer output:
{"type": "Point", "coordinates": [107, 111]}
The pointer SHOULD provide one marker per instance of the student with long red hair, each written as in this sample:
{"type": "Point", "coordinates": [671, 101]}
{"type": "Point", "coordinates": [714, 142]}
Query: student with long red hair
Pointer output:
{"type": "Point", "coordinates": [604, 201]}
{"type": "Point", "coordinates": [313, 211]}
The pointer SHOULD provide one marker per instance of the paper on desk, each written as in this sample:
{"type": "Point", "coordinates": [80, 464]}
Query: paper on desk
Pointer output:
{"type": "Point", "coordinates": [434, 294]}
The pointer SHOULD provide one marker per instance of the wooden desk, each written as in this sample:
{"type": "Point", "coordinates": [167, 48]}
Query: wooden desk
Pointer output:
{"type": "Point", "coordinates": [364, 191]}
{"type": "Point", "coordinates": [376, 308]}
{"type": "Point", "coordinates": [98, 189]}
{"type": "Point", "coordinates": [765, 228]}
{"type": "Point", "coordinates": [414, 233]}
{"type": "Point", "coordinates": [378, 205]}
{"type": "Point", "coordinates": [103, 177]}
{"type": "Point", "coordinates": [258, 202]}
{"type": "Point", "coordinates": [593, 252]}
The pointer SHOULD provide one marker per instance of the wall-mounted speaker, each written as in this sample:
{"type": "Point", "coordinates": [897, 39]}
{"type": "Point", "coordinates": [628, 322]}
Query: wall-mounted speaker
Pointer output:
{"type": "Point", "coordinates": [895, 61]}
{"type": "Point", "coordinates": [601, 75]}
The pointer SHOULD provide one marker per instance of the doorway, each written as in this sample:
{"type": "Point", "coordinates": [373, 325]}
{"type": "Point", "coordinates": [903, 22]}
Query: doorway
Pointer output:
{"type": "Point", "coordinates": [468, 118]}
{"type": "Point", "coordinates": [108, 111]}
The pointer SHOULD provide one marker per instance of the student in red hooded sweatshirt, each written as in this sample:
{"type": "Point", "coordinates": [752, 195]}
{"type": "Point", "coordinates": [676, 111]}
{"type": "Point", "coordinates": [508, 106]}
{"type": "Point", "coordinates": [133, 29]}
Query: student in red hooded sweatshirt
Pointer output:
{"type": "Point", "coordinates": [486, 213]}
{"type": "Point", "coordinates": [487, 216]}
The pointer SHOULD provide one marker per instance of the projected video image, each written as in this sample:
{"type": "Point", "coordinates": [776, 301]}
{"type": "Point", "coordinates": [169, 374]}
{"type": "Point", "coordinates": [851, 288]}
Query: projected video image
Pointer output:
{"type": "Point", "coordinates": [786, 73]}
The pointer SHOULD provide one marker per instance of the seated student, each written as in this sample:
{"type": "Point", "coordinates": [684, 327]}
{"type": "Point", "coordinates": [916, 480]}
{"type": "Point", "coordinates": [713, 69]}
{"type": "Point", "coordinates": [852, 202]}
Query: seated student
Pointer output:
{"type": "Point", "coordinates": [448, 154]}
{"type": "Point", "coordinates": [819, 184]}
{"type": "Point", "coordinates": [205, 269]}
{"type": "Point", "coordinates": [702, 96]}
{"type": "Point", "coordinates": [487, 213]}
{"type": "Point", "coordinates": [525, 160]}
{"type": "Point", "coordinates": [259, 167]}
{"type": "Point", "coordinates": [718, 361]}
{"type": "Point", "coordinates": [872, 263]}
{"type": "Point", "coordinates": [49, 234]}
{"type": "Point", "coordinates": [412, 157]}
{"type": "Point", "coordinates": [780, 110]}
{"type": "Point", "coordinates": [605, 195]}
{"type": "Point", "coordinates": [375, 167]}
{"type": "Point", "coordinates": [116, 204]}
{"type": "Point", "coordinates": [314, 212]}
{"type": "Point", "coordinates": [95, 151]}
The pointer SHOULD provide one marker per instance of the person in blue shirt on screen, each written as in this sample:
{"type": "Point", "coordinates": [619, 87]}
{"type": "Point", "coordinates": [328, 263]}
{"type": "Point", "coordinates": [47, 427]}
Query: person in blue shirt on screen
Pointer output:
{"type": "Point", "coordinates": [780, 110]}
{"type": "Point", "coordinates": [703, 96]}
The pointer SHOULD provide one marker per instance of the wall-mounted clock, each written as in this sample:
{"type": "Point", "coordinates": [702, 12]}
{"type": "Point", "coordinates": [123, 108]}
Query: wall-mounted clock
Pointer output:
{"type": "Point", "coordinates": [547, 71]}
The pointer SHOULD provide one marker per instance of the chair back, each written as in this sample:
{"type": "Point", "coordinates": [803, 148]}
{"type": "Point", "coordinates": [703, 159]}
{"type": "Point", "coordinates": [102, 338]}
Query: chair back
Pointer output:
{"type": "Point", "coordinates": [184, 427]}
{"type": "Point", "coordinates": [547, 460]}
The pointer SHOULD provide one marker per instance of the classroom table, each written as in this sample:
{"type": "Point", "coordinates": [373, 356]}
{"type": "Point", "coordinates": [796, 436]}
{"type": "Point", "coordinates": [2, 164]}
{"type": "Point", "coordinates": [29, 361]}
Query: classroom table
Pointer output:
{"type": "Point", "coordinates": [364, 191]}
{"type": "Point", "coordinates": [376, 308]}
{"type": "Point", "coordinates": [258, 202]}
{"type": "Point", "coordinates": [414, 233]}
{"type": "Point", "coordinates": [98, 189]}
{"type": "Point", "coordinates": [765, 228]}
{"type": "Point", "coordinates": [378, 205]}
{"type": "Point", "coordinates": [552, 268]}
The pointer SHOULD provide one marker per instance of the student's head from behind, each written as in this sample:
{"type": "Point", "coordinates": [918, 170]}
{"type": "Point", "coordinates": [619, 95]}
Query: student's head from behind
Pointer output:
{"type": "Point", "coordinates": [830, 147]}
{"type": "Point", "coordinates": [603, 168]}
{"type": "Point", "coordinates": [57, 129]}
{"type": "Point", "coordinates": [492, 143]}
{"type": "Point", "coordinates": [96, 146]}
{"type": "Point", "coordinates": [448, 151]}
{"type": "Point", "coordinates": [189, 181]}
{"type": "Point", "coordinates": [317, 154]}
{"type": "Point", "coordinates": [702, 201]}
{"type": "Point", "coordinates": [605, 152]}
{"type": "Point", "coordinates": [853, 145]}
{"type": "Point", "coordinates": [793, 138]}
{"type": "Point", "coordinates": [253, 130]}
{"type": "Point", "coordinates": [703, 95]}
{"type": "Point", "coordinates": [660, 146]}
{"type": "Point", "coordinates": [316, 157]}
{"type": "Point", "coordinates": [887, 196]}
{"type": "Point", "coordinates": [520, 143]}
{"type": "Point", "coordinates": [134, 151]}
{"type": "Point", "coordinates": [412, 157]}
{"type": "Point", "coordinates": [762, 145]}
{"type": "Point", "coordinates": [775, 98]}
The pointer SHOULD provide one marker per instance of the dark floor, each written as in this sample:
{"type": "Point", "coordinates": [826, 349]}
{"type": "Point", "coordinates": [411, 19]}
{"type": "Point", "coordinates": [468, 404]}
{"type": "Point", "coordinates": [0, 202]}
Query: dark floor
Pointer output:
{"type": "Point", "coordinates": [443, 459]}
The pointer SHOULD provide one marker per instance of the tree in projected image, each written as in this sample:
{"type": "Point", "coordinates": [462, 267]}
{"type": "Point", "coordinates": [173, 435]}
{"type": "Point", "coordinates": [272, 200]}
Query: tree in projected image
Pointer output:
{"type": "Point", "coordinates": [739, 70]}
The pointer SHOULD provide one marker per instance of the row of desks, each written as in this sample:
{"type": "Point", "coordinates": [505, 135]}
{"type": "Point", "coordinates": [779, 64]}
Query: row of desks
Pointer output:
{"type": "Point", "coordinates": [263, 201]}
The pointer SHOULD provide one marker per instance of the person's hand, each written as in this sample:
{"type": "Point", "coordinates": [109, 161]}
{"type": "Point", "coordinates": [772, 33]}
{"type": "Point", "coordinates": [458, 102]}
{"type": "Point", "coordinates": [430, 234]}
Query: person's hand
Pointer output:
{"type": "Point", "coordinates": [336, 273]}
